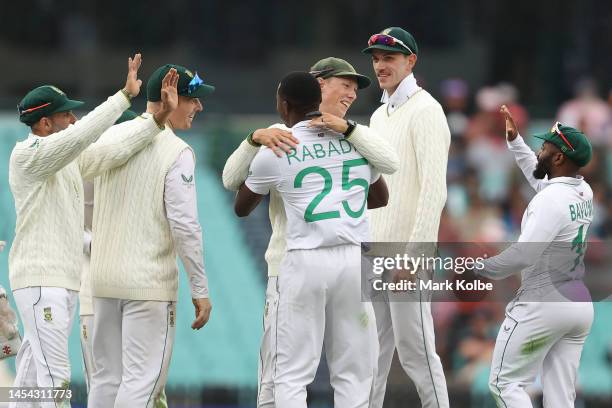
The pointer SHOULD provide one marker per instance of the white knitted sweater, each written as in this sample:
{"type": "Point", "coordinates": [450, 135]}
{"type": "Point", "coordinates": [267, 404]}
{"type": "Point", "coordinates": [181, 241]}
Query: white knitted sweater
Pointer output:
{"type": "Point", "coordinates": [133, 254]}
{"type": "Point", "coordinates": [419, 133]}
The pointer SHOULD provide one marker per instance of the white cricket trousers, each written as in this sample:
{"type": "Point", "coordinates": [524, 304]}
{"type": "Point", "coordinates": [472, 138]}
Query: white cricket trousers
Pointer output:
{"type": "Point", "coordinates": [132, 345]}
{"type": "Point", "coordinates": [320, 303]}
{"type": "Point", "coordinates": [536, 337]}
{"type": "Point", "coordinates": [405, 323]}
{"type": "Point", "coordinates": [85, 330]}
{"type": "Point", "coordinates": [267, 349]}
{"type": "Point", "coordinates": [42, 361]}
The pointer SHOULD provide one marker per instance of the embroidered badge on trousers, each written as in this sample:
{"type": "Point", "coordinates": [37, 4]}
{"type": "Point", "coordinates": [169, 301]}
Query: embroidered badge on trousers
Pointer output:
{"type": "Point", "coordinates": [47, 314]}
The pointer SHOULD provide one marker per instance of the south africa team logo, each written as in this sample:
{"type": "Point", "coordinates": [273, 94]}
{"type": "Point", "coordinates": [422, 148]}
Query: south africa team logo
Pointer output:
{"type": "Point", "coordinates": [172, 318]}
{"type": "Point", "coordinates": [47, 314]}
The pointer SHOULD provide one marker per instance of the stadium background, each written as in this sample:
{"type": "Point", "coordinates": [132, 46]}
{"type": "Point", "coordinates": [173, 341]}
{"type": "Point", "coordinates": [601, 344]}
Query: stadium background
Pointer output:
{"type": "Point", "coordinates": [547, 59]}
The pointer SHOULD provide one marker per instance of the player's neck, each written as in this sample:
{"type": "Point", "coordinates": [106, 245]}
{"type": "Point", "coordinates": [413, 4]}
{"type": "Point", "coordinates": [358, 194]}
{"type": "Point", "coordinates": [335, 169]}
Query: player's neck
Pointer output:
{"type": "Point", "coordinates": [562, 173]}
{"type": "Point", "coordinates": [295, 118]}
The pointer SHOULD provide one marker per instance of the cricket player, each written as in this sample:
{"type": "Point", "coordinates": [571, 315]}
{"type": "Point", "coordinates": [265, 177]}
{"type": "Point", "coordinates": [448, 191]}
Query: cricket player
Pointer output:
{"type": "Point", "coordinates": [325, 185]}
{"type": "Point", "coordinates": [45, 176]}
{"type": "Point", "coordinates": [145, 213]}
{"type": "Point", "coordinates": [415, 125]}
{"type": "Point", "coordinates": [548, 321]}
{"type": "Point", "coordinates": [339, 85]}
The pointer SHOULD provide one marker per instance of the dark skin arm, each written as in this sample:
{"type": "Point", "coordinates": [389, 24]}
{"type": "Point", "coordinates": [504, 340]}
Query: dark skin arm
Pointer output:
{"type": "Point", "coordinates": [378, 195]}
{"type": "Point", "coordinates": [246, 201]}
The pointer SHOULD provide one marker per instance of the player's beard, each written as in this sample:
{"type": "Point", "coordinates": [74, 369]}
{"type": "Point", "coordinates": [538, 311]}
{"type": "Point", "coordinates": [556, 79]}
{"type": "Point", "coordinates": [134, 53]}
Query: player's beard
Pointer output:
{"type": "Point", "coordinates": [543, 167]}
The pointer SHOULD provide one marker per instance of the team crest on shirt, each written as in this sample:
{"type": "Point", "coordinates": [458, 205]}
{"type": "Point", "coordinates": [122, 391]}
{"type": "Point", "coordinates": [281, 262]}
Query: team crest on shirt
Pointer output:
{"type": "Point", "coordinates": [171, 319]}
{"type": "Point", "coordinates": [47, 314]}
{"type": "Point", "coordinates": [189, 73]}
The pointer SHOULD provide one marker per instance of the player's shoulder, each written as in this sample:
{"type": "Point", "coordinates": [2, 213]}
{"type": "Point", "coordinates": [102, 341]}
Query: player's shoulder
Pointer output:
{"type": "Point", "coordinates": [280, 126]}
{"type": "Point", "coordinates": [24, 149]}
{"type": "Point", "coordinates": [307, 134]}
{"type": "Point", "coordinates": [556, 195]}
{"type": "Point", "coordinates": [378, 112]}
{"type": "Point", "coordinates": [426, 102]}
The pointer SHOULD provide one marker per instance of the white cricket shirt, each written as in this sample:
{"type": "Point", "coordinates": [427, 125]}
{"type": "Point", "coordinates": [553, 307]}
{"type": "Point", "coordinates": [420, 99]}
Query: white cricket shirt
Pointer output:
{"type": "Point", "coordinates": [554, 229]}
{"type": "Point", "coordinates": [324, 185]}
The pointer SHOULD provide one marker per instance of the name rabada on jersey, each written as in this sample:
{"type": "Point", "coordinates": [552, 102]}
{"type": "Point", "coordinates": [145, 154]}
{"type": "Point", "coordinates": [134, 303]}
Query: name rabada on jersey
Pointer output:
{"type": "Point", "coordinates": [581, 210]}
{"type": "Point", "coordinates": [319, 151]}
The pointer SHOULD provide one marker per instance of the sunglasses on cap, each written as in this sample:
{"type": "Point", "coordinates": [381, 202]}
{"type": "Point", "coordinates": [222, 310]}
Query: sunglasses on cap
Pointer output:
{"type": "Point", "coordinates": [23, 111]}
{"type": "Point", "coordinates": [556, 130]}
{"type": "Point", "coordinates": [194, 84]}
{"type": "Point", "coordinates": [385, 39]}
{"type": "Point", "coordinates": [322, 73]}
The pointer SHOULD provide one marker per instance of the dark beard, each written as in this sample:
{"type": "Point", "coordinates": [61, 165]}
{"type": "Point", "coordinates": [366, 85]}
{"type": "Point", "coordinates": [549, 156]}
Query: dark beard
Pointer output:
{"type": "Point", "coordinates": [541, 169]}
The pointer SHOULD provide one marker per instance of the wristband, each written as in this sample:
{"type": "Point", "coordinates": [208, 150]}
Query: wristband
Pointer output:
{"type": "Point", "coordinates": [251, 141]}
{"type": "Point", "coordinates": [161, 127]}
{"type": "Point", "coordinates": [127, 95]}
{"type": "Point", "coordinates": [351, 127]}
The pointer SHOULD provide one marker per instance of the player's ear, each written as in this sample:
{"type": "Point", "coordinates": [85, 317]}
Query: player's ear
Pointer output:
{"type": "Point", "coordinates": [43, 123]}
{"type": "Point", "coordinates": [412, 60]}
{"type": "Point", "coordinates": [321, 82]}
{"type": "Point", "coordinates": [559, 159]}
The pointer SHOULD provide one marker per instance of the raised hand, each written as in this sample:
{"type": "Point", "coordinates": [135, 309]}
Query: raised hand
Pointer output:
{"type": "Point", "coordinates": [169, 93]}
{"type": "Point", "coordinates": [133, 84]}
{"type": "Point", "coordinates": [511, 129]}
{"type": "Point", "coordinates": [169, 96]}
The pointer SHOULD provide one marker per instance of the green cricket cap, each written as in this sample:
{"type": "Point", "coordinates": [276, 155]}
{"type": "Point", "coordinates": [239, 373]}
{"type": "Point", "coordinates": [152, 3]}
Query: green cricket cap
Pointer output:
{"type": "Point", "coordinates": [572, 142]}
{"type": "Point", "coordinates": [337, 67]}
{"type": "Point", "coordinates": [44, 101]}
{"type": "Point", "coordinates": [125, 116]}
{"type": "Point", "coordinates": [394, 39]}
{"type": "Point", "coordinates": [189, 83]}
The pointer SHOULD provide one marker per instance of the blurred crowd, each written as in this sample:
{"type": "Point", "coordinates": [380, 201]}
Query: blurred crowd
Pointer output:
{"type": "Point", "coordinates": [487, 195]}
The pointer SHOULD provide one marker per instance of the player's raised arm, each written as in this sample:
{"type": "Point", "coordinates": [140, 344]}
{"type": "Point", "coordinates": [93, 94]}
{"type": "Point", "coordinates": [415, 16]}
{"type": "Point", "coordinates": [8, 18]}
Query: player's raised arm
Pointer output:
{"type": "Point", "coordinates": [57, 137]}
{"type": "Point", "coordinates": [525, 158]}
{"type": "Point", "coordinates": [118, 143]}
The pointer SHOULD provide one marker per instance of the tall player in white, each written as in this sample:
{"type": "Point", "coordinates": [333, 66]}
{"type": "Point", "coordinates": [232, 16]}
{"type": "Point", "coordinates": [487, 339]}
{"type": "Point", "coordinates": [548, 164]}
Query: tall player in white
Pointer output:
{"type": "Point", "coordinates": [325, 185]}
{"type": "Point", "coordinates": [548, 321]}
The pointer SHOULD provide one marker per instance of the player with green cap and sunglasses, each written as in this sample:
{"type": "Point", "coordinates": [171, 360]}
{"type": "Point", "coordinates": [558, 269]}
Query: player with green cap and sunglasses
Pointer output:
{"type": "Point", "coordinates": [45, 177]}
{"type": "Point", "coordinates": [145, 215]}
{"type": "Point", "coordinates": [339, 83]}
{"type": "Point", "coordinates": [548, 321]}
{"type": "Point", "coordinates": [414, 123]}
